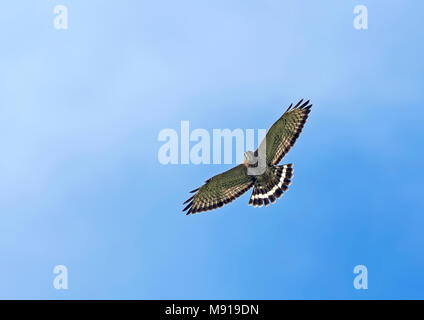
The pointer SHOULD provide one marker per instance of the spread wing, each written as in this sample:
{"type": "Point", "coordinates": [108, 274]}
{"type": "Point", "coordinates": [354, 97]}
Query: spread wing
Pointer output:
{"type": "Point", "coordinates": [219, 190]}
{"type": "Point", "coordinates": [284, 132]}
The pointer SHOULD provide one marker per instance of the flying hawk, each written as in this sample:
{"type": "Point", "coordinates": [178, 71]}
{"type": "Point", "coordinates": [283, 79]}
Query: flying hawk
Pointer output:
{"type": "Point", "coordinates": [270, 180]}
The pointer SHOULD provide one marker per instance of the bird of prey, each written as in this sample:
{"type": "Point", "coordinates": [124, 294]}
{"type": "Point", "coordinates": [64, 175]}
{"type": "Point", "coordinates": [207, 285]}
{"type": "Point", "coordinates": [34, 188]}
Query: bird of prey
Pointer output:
{"type": "Point", "coordinates": [260, 170]}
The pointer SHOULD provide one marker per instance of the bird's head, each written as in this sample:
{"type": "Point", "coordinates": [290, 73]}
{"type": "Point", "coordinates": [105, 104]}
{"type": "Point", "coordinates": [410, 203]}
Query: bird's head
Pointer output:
{"type": "Point", "coordinates": [249, 158]}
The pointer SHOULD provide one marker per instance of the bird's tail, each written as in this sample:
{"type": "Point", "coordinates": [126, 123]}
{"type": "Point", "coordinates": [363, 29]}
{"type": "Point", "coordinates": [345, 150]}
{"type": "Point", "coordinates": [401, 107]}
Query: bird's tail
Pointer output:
{"type": "Point", "coordinates": [278, 183]}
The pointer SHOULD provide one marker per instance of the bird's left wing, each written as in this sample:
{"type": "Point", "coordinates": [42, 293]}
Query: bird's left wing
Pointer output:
{"type": "Point", "coordinates": [283, 133]}
{"type": "Point", "coordinates": [219, 190]}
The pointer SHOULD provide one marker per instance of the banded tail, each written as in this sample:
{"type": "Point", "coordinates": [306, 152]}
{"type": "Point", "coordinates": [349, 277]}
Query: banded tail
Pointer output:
{"type": "Point", "coordinates": [265, 193]}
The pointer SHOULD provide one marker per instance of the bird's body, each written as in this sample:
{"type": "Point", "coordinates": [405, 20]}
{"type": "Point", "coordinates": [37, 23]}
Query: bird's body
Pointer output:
{"type": "Point", "coordinates": [260, 169]}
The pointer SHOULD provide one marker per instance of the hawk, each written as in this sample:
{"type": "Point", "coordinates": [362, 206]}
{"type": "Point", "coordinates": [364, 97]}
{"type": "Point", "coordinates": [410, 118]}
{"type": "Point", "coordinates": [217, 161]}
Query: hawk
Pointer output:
{"type": "Point", "coordinates": [260, 169]}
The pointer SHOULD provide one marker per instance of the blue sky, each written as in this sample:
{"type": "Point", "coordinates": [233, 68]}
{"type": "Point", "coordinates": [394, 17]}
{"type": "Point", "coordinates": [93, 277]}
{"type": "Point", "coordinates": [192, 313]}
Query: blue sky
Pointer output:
{"type": "Point", "coordinates": [81, 184]}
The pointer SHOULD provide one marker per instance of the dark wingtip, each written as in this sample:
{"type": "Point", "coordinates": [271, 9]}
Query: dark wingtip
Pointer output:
{"type": "Point", "coordinates": [304, 105]}
{"type": "Point", "coordinates": [291, 104]}
{"type": "Point", "coordinates": [188, 206]}
{"type": "Point", "coordinates": [298, 104]}
{"type": "Point", "coordinates": [191, 198]}
{"type": "Point", "coordinates": [194, 190]}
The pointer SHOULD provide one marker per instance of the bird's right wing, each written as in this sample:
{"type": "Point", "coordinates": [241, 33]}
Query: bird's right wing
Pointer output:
{"type": "Point", "coordinates": [219, 190]}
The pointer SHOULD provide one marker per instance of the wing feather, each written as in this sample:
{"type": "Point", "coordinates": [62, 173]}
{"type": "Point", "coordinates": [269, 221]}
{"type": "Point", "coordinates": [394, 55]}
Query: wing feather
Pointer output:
{"type": "Point", "coordinates": [284, 132]}
{"type": "Point", "coordinates": [219, 190]}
